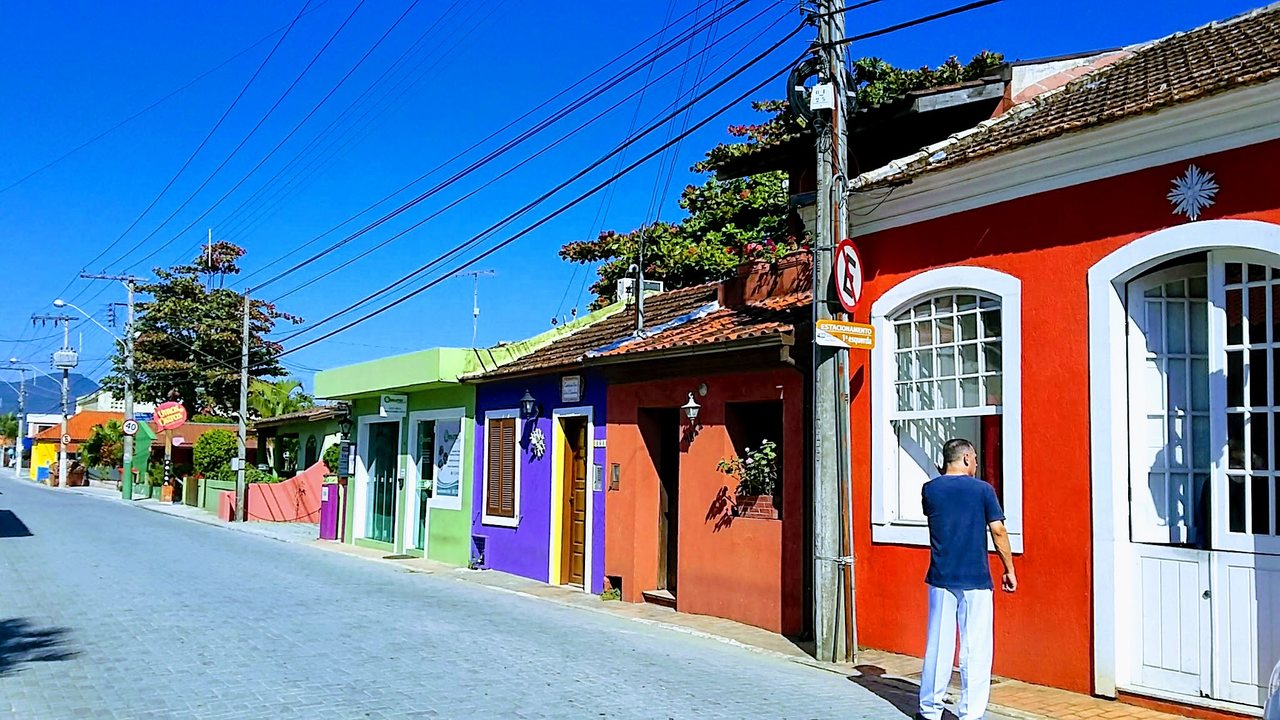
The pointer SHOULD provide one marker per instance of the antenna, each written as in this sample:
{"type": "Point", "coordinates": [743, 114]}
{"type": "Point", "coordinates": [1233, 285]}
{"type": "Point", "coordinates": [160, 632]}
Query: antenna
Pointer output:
{"type": "Point", "coordinates": [475, 297]}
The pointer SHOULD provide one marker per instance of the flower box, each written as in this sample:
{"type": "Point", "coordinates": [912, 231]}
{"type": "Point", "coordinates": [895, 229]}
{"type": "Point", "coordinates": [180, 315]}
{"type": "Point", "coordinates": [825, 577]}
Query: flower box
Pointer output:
{"type": "Point", "coordinates": [760, 507]}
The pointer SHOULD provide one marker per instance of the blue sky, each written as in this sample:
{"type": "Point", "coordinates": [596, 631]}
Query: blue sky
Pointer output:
{"type": "Point", "coordinates": [74, 70]}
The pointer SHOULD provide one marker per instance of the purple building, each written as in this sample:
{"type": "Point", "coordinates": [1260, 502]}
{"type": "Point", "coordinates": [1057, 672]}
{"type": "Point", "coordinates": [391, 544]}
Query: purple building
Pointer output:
{"type": "Point", "coordinates": [539, 503]}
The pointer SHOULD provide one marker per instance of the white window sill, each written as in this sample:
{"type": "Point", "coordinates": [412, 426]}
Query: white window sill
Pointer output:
{"type": "Point", "coordinates": [919, 535]}
{"type": "Point", "coordinates": [500, 521]}
{"type": "Point", "coordinates": [451, 503]}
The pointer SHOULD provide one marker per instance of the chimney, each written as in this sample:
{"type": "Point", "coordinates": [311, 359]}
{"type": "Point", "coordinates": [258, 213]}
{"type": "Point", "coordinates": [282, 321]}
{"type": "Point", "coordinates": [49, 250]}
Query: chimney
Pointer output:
{"type": "Point", "coordinates": [760, 279]}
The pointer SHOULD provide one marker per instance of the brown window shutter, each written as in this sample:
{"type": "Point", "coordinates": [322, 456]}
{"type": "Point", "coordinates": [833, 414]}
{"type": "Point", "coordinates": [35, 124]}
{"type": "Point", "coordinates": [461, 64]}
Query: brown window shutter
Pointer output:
{"type": "Point", "coordinates": [500, 494]}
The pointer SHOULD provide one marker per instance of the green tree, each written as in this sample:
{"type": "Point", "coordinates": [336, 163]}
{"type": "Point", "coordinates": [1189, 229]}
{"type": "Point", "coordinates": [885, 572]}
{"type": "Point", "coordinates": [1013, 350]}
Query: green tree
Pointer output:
{"type": "Point", "coordinates": [269, 399]}
{"type": "Point", "coordinates": [188, 336]}
{"type": "Point", "coordinates": [9, 425]}
{"type": "Point", "coordinates": [104, 448]}
{"type": "Point", "coordinates": [213, 450]}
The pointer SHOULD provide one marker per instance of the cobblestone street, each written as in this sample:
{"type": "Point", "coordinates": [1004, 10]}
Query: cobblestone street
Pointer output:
{"type": "Point", "coordinates": [110, 611]}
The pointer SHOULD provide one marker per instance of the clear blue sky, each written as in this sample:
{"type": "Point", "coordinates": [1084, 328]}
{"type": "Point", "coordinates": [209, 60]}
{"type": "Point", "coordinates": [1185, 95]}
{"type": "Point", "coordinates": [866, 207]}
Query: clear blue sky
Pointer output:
{"type": "Point", "coordinates": [73, 70]}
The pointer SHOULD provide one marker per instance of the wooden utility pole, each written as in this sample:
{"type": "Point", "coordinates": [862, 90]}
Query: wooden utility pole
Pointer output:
{"type": "Point", "coordinates": [130, 283]}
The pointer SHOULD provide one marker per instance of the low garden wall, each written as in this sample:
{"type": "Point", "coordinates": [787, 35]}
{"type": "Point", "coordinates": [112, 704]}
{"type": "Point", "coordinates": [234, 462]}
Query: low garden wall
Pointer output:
{"type": "Point", "coordinates": [293, 500]}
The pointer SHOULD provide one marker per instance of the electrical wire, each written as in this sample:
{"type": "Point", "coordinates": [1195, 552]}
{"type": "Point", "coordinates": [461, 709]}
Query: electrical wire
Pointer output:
{"type": "Point", "coordinates": [480, 188]}
{"type": "Point", "coordinates": [565, 110]}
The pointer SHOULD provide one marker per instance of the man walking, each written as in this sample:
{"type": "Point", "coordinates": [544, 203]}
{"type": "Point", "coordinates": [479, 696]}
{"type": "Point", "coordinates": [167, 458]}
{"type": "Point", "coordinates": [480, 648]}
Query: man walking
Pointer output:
{"type": "Point", "coordinates": [961, 510]}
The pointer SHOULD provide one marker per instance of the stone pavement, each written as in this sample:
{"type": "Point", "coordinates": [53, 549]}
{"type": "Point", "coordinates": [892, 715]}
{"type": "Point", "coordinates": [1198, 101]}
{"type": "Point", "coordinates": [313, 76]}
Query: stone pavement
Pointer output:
{"type": "Point", "coordinates": [109, 612]}
{"type": "Point", "coordinates": [894, 678]}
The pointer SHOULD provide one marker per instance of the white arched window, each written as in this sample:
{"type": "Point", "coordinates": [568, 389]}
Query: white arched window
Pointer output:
{"type": "Point", "coordinates": [947, 364]}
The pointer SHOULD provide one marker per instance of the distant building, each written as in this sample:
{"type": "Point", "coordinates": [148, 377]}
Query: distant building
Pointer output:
{"type": "Point", "coordinates": [106, 401]}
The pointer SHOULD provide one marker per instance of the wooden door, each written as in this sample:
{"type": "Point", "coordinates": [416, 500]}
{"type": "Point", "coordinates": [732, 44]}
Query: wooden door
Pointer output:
{"type": "Point", "coordinates": [661, 430]}
{"type": "Point", "coordinates": [575, 491]}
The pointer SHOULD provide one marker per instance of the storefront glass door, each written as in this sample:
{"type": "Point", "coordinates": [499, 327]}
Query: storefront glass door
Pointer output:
{"type": "Point", "coordinates": [384, 444]}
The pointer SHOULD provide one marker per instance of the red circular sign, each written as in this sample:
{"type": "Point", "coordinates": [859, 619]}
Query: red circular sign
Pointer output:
{"type": "Point", "coordinates": [848, 274]}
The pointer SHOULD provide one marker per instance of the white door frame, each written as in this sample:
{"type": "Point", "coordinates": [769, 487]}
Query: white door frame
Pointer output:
{"type": "Point", "coordinates": [557, 494]}
{"type": "Point", "coordinates": [360, 506]}
{"type": "Point", "coordinates": [411, 462]}
{"type": "Point", "coordinates": [1108, 412]}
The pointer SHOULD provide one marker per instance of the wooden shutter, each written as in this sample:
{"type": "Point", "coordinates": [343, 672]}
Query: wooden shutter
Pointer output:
{"type": "Point", "coordinates": [500, 496]}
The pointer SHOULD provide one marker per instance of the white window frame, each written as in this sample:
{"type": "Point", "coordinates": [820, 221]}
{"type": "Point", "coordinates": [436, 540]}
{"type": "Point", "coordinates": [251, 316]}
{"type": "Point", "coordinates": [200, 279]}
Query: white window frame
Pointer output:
{"type": "Point", "coordinates": [438, 502]}
{"type": "Point", "coordinates": [485, 517]}
{"type": "Point", "coordinates": [884, 453]}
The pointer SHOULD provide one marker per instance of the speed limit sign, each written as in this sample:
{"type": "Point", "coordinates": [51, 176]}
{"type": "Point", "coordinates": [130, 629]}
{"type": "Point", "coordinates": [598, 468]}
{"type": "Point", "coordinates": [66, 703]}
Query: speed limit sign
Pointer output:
{"type": "Point", "coordinates": [130, 427]}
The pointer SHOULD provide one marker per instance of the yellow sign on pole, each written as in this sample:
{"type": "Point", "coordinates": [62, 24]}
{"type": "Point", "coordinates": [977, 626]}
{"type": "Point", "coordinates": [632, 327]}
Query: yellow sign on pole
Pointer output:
{"type": "Point", "coordinates": [844, 334]}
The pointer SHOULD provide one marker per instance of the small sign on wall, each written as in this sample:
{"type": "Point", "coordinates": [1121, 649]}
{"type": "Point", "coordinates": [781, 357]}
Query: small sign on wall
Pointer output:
{"type": "Point", "coordinates": [597, 481]}
{"type": "Point", "coordinates": [614, 471]}
{"type": "Point", "coordinates": [393, 406]}
{"type": "Point", "coordinates": [571, 389]}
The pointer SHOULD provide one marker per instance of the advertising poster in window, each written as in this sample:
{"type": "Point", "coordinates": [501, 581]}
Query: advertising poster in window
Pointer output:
{"type": "Point", "coordinates": [448, 457]}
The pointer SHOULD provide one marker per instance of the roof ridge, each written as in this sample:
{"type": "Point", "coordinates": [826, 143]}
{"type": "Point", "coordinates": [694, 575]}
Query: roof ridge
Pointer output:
{"type": "Point", "coordinates": [1029, 107]}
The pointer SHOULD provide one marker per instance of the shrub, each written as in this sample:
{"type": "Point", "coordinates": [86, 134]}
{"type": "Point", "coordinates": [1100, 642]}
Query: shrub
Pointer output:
{"type": "Point", "coordinates": [155, 473]}
{"type": "Point", "coordinates": [330, 457]}
{"type": "Point", "coordinates": [757, 473]}
{"type": "Point", "coordinates": [213, 450]}
{"type": "Point", "coordinates": [212, 420]}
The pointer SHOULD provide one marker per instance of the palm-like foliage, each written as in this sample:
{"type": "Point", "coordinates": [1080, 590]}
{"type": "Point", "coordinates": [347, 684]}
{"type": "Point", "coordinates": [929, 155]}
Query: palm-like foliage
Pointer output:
{"type": "Point", "coordinates": [9, 425]}
{"type": "Point", "coordinates": [269, 399]}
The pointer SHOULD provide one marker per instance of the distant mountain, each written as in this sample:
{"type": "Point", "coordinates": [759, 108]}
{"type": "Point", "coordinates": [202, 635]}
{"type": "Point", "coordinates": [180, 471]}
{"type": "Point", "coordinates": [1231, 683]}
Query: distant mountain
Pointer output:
{"type": "Point", "coordinates": [43, 394]}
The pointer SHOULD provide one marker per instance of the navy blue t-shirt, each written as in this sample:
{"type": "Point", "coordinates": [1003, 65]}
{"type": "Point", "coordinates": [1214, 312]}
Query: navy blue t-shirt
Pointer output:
{"type": "Point", "coordinates": [959, 509]}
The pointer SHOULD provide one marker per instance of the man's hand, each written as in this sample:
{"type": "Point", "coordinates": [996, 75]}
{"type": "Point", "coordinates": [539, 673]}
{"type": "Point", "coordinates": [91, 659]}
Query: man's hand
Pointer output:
{"type": "Point", "coordinates": [1010, 582]}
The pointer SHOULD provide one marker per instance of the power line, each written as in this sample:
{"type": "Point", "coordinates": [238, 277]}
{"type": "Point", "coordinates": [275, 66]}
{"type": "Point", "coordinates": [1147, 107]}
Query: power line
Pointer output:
{"type": "Point", "coordinates": [203, 142]}
{"type": "Point", "coordinates": [242, 142]}
{"type": "Point", "coordinates": [480, 188]}
{"type": "Point", "coordinates": [561, 210]}
{"type": "Point", "coordinates": [153, 105]}
{"type": "Point", "coordinates": [917, 21]}
{"type": "Point", "coordinates": [568, 108]}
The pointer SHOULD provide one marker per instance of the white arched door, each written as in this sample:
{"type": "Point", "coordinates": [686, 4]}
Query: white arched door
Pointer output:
{"type": "Point", "coordinates": [1204, 436]}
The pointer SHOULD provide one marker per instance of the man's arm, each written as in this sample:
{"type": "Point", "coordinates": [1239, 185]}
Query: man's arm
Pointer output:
{"type": "Point", "coordinates": [1000, 537]}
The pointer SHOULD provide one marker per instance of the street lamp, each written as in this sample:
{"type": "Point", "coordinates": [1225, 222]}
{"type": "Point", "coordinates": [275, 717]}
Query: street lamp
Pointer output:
{"type": "Point", "coordinates": [528, 406]}
{"type": "Point", "coordinates": [691, 410]}
{"type": "Point", "coordinates": [18, 442]}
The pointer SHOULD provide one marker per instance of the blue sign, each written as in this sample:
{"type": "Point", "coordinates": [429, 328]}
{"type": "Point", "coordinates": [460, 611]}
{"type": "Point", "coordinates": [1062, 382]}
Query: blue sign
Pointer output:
{"type": "Point", "coordinates": [144, 417]}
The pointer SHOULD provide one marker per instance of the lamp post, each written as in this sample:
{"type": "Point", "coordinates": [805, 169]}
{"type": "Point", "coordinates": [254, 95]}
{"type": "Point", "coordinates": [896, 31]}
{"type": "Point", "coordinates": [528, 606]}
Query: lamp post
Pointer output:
{"type": "Point", "coordinates": [22, 398]}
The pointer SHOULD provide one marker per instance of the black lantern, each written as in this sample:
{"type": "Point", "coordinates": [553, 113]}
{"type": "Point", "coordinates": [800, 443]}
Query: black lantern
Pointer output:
{"type": "Point", "coordinates": [691, 410]}
{"type": "Point", "coordinates": [528, 406]}
{"type": "Point", "coordinates": [344, 425]}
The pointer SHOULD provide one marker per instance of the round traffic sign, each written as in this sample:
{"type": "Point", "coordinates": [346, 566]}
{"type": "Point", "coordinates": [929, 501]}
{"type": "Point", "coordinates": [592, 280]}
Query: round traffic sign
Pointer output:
{"type": "Point", "coordinates": [66, 439]}
{"type": "Point", "coordinates": [848, 274]}
{"type": "Point", "coordinates": [131, 427]}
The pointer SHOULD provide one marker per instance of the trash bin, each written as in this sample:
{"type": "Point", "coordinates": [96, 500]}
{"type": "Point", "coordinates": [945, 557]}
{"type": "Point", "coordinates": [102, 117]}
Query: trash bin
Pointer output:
{"type": "Point", "coordinates": [329, 500]}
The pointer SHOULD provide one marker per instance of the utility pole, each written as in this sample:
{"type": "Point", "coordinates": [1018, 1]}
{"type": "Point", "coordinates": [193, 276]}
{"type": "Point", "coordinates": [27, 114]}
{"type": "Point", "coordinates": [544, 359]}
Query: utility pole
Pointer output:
{"type": "Point", "coordinates": [22, 402]}
{"type": "Point", "coordinates": [244, 409]}
{"type": "Point", "coordinates": [475, 298]}
{"type": "Point", "coordinates": [834, 623]}
{"type": "Point", "coordinates": [65, 360]}
{"type": "Point", "coordinates": [130, 283]}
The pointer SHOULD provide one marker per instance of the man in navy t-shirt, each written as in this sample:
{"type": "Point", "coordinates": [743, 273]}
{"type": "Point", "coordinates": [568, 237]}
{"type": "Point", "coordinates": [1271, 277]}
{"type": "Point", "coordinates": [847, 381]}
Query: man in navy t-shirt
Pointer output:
{"type": "Point", "coordinates": [962, 510]}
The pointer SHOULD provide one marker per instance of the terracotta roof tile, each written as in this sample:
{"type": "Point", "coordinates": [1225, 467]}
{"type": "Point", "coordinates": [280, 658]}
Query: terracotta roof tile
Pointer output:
{"type": "Point", "coordinates": [1221, 56]}
{"type": "Point", "coordinates": [570, 350]}
{"type": "Point", "coordinates": [771, 316]}
{"type": "Point", "coordinates": [79, 426]}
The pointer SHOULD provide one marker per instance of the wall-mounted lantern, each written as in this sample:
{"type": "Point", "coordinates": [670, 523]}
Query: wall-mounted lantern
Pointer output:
{"type": "Point", "coordinates": [691, 410]}
{"type": "Point", "coordinates": [528, 406]}
{"type": "Point", "coordinates": [344, 424]}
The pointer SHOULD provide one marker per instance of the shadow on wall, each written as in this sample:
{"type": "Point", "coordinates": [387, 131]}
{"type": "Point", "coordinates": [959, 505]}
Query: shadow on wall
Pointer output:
{"type": "Point", "coordinates": [21, 642]}
{"type": "Point", "coordinates": [12, 526]}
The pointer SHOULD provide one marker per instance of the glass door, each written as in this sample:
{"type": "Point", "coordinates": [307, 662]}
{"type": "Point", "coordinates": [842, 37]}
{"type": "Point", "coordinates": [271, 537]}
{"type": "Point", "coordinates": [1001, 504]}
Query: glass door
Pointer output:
{"type": "Point", "coordinates": [384, 444]}
{"type": "Point", "coordinates": [424, 461]}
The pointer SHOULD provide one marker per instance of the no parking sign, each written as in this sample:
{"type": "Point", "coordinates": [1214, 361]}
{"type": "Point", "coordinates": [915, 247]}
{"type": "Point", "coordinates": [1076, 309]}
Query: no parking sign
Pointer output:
{"type": "Point", "coordinates": [847, 269]}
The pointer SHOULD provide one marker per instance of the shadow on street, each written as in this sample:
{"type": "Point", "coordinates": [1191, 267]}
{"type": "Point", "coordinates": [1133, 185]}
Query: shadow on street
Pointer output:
{"type": "Point", "coordinates": [903, 695]}
{"type": "Point", "coordinates": [21, 642]}
{"type": "Point", "coordinates": [12, 526]}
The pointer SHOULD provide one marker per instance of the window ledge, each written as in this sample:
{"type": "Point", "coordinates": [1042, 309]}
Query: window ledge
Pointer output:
{"type": "Point", "coordinates": [918, 535]}
{"type": "Point", "coordinates": [500, 521]}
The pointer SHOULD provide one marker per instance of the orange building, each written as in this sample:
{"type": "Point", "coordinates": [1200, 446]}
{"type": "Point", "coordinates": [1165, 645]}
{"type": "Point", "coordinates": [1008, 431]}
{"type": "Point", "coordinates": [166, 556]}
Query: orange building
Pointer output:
{"type": "Point", "coordinates": [677, 532]}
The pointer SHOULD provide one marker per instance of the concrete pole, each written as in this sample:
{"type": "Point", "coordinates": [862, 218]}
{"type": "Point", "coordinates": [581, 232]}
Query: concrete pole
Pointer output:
{"type": "Point", "coordinates": [22, 414]}
{"type": "Point", "coordinates": [833, 617]}
{"type": "Point", "coordinates": [126, 486]}
{"type": "Point", "coordinates": [244, 409]}
{"type": "Point", "coordinates": [66, 391]}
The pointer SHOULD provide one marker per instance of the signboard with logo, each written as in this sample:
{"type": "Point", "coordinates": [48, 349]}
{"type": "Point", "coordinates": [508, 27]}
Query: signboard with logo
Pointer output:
{"type": "Point", "coordinates": [170, 415]}
{"type": "Point", "coordinates": [571, 389]}
{"type": "Point", "coordinates": [393, 406]}
{"type": "Point", "coordinates": [448, 456]}
{"type": "Point", "coordinates": [844, 334]}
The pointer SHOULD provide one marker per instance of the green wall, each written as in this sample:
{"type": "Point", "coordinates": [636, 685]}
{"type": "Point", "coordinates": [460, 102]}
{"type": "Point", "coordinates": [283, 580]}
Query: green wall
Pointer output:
{"type": "Point", "coordinates": [449, 531]}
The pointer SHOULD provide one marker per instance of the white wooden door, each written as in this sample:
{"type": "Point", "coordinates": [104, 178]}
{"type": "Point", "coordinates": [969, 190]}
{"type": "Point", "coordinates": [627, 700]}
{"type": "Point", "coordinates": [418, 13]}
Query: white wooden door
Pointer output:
{"type": "Point", "coordinates": [1246, 625]}
{"type": "Point", "coordinates": [1170, 465]}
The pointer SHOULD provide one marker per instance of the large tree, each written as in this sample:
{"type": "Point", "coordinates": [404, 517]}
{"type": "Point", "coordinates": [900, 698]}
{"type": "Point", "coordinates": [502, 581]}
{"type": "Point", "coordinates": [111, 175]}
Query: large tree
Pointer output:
{"type": "Point", "coordinates": [188, 336]}
{"type": "Point", "coordinates": [729, 221]}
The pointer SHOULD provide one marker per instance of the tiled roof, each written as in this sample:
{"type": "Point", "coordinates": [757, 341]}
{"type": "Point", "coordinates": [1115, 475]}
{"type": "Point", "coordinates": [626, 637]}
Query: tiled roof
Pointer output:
{"type": "Point", "coordinates": [1221, 56]}
{"type": "Point", "coordinates": [79, 426]}
{"type": "Point", "coordinates": [771, 316]}
{"type": "Point", "coordinates": [312, 414]}
{"type": "Point", "coordinates": [570, 350]}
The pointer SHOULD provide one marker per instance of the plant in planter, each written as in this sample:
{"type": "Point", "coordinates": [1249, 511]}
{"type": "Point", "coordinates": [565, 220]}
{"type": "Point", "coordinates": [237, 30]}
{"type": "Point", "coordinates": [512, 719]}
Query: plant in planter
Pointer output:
{"type": "Point", "coordinates": [757, 474]}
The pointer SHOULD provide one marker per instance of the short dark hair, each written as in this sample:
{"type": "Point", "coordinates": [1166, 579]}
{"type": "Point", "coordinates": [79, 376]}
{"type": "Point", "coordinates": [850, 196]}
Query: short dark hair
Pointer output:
{"type": "Point", "coordinates": [954, 449]}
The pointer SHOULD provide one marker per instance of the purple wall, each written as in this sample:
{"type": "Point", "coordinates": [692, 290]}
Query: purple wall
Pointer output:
{"type": "Point", "coordinates": [525, 550]}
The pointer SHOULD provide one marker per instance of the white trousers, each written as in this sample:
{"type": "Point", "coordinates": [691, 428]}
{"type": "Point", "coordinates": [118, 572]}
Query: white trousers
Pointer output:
{"type": "Point", "coordinates": [972, 609]}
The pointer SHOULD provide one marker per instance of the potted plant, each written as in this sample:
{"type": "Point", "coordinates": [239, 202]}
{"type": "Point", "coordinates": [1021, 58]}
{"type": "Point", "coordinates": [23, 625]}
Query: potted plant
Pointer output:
{"type": "Point", "coordinates": [757, 473]}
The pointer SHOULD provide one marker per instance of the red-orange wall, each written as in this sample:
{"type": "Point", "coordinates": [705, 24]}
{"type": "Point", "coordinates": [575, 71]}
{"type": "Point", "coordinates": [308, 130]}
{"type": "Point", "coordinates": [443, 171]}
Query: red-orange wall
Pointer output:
{"type": "Point", "coordinates": [750, 570]}
{"type": "Point", "coordinates": [1049, 241]}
